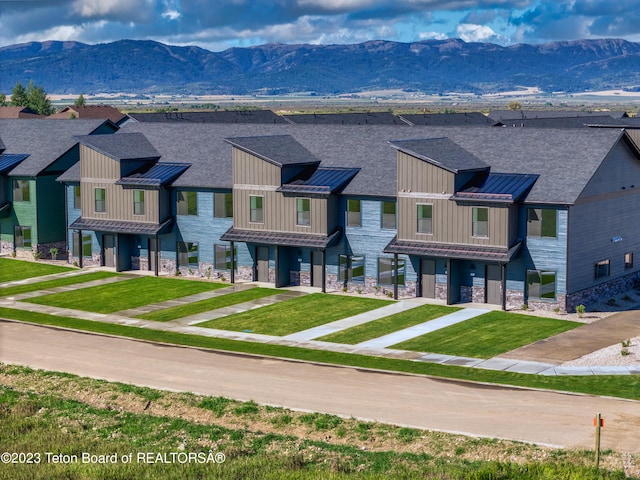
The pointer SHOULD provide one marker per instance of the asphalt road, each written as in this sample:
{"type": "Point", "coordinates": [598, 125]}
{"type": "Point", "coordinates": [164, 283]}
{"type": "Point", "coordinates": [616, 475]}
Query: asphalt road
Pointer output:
{"type": "Point", "coordinates": [482, 410]}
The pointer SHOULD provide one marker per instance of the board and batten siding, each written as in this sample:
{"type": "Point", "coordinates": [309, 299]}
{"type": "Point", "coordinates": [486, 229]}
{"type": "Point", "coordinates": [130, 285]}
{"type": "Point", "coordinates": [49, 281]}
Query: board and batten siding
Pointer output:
{"type": "Point", "coordinates": [251, 170]}
{"type": "Point", "coordinates": [603, 223]}
{"type": "Point", "coordinates": [279, 212]}
{"type": "Point", "coordinates": [452, 223]}
{"type": "Point", "coordinates": [418, 176]}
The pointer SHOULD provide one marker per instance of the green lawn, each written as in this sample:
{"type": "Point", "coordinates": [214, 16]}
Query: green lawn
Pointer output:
{"type": "Point", "coordinates": [296, 314]}
{"type": "Point", "coordinates": [60, 282]}
{"type": "Point", "coordinates": [211, 304]}
{"type": "Point", "coordinates": [386, 325]}
{"type": "Point", "coordinates": [488, 335]}
{"type": "Point", "coordinates": [126, 294]}
{"type": "Point", "coordinates": [11, 269]}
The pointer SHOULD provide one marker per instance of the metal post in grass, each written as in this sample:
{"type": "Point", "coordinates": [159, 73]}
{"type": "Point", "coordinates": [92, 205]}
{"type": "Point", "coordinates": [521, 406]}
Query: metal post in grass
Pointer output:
{"type": "Point", "coordinates": [598, 422]}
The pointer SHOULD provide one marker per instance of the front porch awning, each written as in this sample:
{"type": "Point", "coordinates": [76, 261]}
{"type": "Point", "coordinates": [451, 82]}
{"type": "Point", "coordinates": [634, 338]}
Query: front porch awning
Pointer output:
{"type": "Point", "coordinates": [116, 226]}
{"type": "Point", "coordinates": [285, 239]}
{"type": "Point", "coordinates": [459, 252]}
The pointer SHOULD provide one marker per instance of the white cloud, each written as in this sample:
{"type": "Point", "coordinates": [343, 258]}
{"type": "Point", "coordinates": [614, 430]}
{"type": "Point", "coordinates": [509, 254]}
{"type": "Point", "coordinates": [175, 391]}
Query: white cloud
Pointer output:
{"type": "Point", "coordinates": [171, 14]}
{"type": "Point", "coordinates": [432, 36]}
{"type": "Point", "coordinates": [475, 33]}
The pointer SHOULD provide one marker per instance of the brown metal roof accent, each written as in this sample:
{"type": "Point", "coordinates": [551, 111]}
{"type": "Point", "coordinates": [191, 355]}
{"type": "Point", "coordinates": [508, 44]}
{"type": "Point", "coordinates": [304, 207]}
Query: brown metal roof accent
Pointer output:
{"type": "Point", "coordinates": [116, 226]}
{"type": "Point", "coordinates": [461, 252]}
{"type": "Point", "coordinates": [285, 239]}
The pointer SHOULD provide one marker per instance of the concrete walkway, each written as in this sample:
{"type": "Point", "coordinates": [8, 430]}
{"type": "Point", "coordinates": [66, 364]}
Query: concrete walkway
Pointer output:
{"type": "Point", "coordinates": [422, 329]}
{"type": "Point", "coordinates": [520, 360]}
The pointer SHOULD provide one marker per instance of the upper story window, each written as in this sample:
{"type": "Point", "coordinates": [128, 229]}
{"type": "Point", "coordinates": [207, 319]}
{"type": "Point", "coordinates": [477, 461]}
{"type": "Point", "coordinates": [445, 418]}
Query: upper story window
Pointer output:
{"type": "Point", "coordinates": [303, 211]}
{"type": "Point", "coordinates": [223, 205]}
{"type": "Point", "coordinates": [628, 260]}
{"type": "Point", "coordinates": [77, 203]}
{"type": "Point", "coordinates": [602, 269]}
{"type": "Point", "coordinates": [21, 191]}
{"type": "Point", "coordinates": [542, 222]}
{"type": "Point", "coordinates": [100, 200]}
{"type": "Point", "coordinates": [388, 219]}
{"type": "Point", "coordinates": [256, 213]}
{"type": "Point", "coordinates": [425, 219]}
{"type": "Point", "coordinates": [187, 203]}
{"type": "Point", "coordinates": [480, 223]}
{"type": "Point", "coordinates": [354, 218]}
{"type": "Point", "coordinates": [138, 202]}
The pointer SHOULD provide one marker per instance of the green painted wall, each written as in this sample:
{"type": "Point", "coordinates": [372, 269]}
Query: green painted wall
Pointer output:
{"type": "Point", "coordinates": [51, 210]}
{"type": "Point", "coordinates": [22, 213]}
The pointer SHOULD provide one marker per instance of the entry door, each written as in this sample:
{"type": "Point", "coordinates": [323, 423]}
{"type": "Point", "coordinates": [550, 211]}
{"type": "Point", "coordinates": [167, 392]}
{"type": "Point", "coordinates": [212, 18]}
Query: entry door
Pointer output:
{"type": "Point", "coordinates": [153, 249]}
{"type": "Point", "coordinates": [262, 260]}
{"type": "Point", "coordinates": [428, 278]}
{"type": "Point", "coordinates": [109, 243]}
{"type": "Point", "coordinates": [317, 272]}
{"type": "Point", "coordinates": [493, 282]}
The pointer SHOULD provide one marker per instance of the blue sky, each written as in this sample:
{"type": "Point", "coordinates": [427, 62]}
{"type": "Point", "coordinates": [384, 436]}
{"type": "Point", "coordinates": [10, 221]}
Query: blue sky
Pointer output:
{"type": "Point", "coordinates": [220, 24]}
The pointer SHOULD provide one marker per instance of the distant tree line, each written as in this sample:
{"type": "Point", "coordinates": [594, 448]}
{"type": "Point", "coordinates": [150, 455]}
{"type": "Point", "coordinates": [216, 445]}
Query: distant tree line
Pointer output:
{"type": "Point", "coordinates": [33, 97]}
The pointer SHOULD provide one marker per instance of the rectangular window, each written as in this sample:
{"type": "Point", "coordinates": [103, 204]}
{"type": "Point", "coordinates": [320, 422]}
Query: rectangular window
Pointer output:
{"type": "Point", "coordinates": [425, 219]}
{"type": "Point", "coordinates": [480, 225]}
{"type": "Point", "coordinates": [100, 200]}
{"type": "Point", "coordinates": [541, 285]}
{"type": "Point", "coordinates": [187, 203]}
{"type": "Point", "coordinates": [386, 271]}
{"type": "Point", "coordinates": [303, 211]}
{"type": "Point", "coordinates": [388, 219]}
{"type": "Point", "coordinates": [187, 254]}
{"type": "Point", "coordinates": [542, 222]}
{"type": "Point", "coordinates": [628, 261]}
{"type": "Point", "coordinates": [21, 191]}
{"type": "Point", "coordinates": [222, 257]}
{"type": "Point", "coordinates": [351, 268]}
{"type": "Point", "coordinates": [354, 218]}
{"type": "Point", "coordinates": [86, 246]}
{"type": "Point", "coordinates": [22, 237]}
{"type": "Point", "coordinates": [76, 197]}
{"type": "Point", "coordinates": [603, 269]}
{"type": "Point", "coordinates": [256, 214]}
{"type": "Point", "coordinates": [223, 205]}
{"type": "Point", "coordinates": [138, 202]}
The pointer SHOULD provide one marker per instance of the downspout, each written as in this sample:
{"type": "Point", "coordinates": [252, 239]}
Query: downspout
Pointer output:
{"type": "Point", "coordinates": [504, 285]}
{"type": "Point", "coordinates": [324, 270]}
{"type": "Point", "coordinates": [233, 262]}
{"type": "Point", "coordinates": [395, 276]}
{"type": "Point", "coordinates": [157, 254]}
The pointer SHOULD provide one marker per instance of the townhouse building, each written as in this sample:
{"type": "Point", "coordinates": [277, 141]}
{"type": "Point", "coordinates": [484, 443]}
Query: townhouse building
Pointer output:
{"type": "Point", "coordinates": [32, 202]}
{"type": "Point", "coordinates": [503, 216]}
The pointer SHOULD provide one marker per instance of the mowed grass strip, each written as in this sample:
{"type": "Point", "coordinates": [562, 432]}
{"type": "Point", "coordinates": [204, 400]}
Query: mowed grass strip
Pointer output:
{"type": "Point", "coordinates": [390, 324]}
{"type": "Point", "coordinates": [11, 269]}
{"type": "Point", "coordinates": [488, 335]}
{"type": "Point", "coordinates": [206, 305]}
{"type": "Point", "coordinates": [60, 282]}
{"type": "Point", "coordinates": [296, 314]}
{"type": "Point", "coordinates": [126, 294]}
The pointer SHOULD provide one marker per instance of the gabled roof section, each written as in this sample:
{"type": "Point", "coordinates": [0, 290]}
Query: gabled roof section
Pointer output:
{"type": "Point", "coordinates": [158, 175]}
{"type": "Point", "coordinates": [45, 142]}
{"type": "Point", "coordinates": [126, 146]}
{"type": "Point", "coordinates": [10, 160]}
{"type": "Point", "coordinates": [18, 112]}
{"type": "Point", "coordinates": [498, 187]}
{"type": "Point", "coordinates": [279, 150]}
{"type": "Point", "coordinates": [91, 111]}
{"type": "Point", "coordinates": [323, 181]}
{"type": "Point", "coordinates": [441, 152]}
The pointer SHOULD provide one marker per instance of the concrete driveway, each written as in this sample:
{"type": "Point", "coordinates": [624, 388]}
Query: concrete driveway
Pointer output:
{"type": "Point", "coordinates": [436, 404]}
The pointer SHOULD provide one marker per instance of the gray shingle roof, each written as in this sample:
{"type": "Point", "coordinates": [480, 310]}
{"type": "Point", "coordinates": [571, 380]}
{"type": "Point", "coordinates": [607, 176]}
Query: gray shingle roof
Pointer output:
{"type": "Point", "coordinates": [365, 118]}
{"type": "Point", "coordinates": [448, 119]}
{"type": "Point", "coordinates": [2, 147]}
{"type": "Point", "coordinates": [441, 152]}
{"type": "Point", "coordinates": [44, 141]}
{"type": "Point", "coordinates": [128, 146]}
{"type": "Point", "coordinates": [231, 116]}
{"type": "Point", "coordinates": [565, 159]}
{"type": "Point", "coordinates": [520, 114]}
{"type": "Point", "coordinates": [280, 150]}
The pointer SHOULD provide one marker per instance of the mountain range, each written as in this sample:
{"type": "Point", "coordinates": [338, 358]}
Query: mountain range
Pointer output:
{"type": "Point", "coordinates": [431, 66]}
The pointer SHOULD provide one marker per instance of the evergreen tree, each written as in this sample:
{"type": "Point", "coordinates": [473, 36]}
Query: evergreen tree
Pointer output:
{"type": "Point", "coordinates": [79, 101]}
{"type": "Point", "coordinates": [38, 101]}
{"type": "Point", "coordinates": [3, 100]}
{"type": "Point", "coordinates": [19, 96]}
